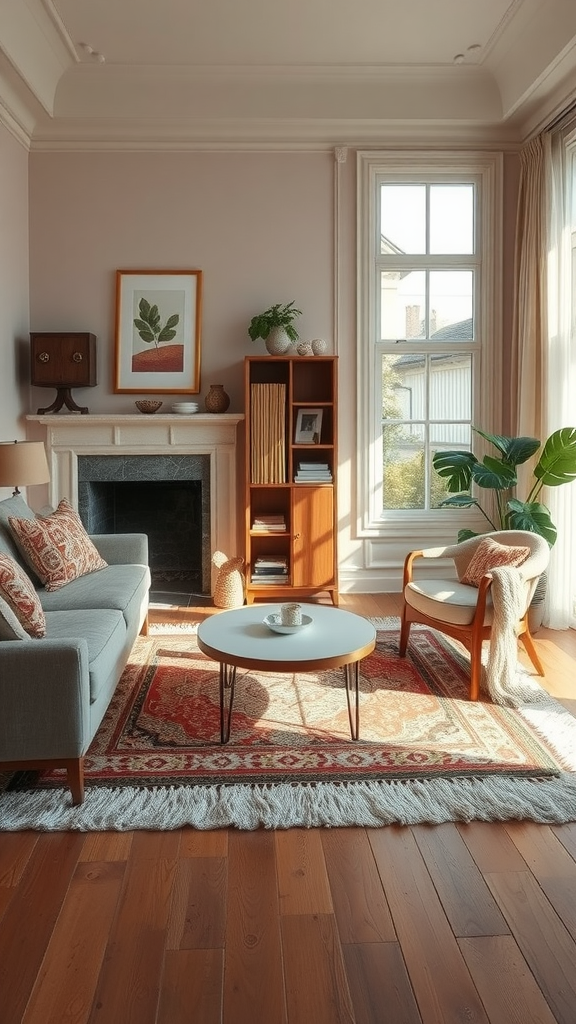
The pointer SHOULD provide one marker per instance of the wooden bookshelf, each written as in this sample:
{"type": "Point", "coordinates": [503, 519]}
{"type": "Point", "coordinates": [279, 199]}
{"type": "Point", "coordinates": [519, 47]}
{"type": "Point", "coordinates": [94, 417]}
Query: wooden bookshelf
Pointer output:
{"type": "Point", "coordinates": [291, 473]}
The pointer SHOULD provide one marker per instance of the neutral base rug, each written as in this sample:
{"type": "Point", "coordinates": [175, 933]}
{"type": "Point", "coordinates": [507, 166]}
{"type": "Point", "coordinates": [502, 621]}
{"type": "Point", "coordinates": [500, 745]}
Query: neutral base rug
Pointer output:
{"type": "Point", "coordinates": [426, 753]}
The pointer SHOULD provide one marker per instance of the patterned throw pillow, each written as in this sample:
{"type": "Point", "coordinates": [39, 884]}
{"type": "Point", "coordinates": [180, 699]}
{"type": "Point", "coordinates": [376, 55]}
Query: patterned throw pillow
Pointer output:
{"type": "Point", "coordinates": [489, 555]}
{"type": "Point", "coordinates": [57, 546]}
{"type": "Point", "coordinates": [20, 596]}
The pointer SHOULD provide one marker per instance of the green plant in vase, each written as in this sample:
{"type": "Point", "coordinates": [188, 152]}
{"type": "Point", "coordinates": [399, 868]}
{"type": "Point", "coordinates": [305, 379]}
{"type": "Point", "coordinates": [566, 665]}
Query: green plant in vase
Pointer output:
{"type": "Point", "coordinates": [276, 327]}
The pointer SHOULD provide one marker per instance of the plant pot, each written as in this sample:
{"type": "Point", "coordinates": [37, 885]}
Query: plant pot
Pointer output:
{"type": "Point", "coordinates": [277, 342]}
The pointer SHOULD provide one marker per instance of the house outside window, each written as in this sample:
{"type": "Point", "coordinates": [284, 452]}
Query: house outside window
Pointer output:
{"type": "Point", "coordinates": [429, 244]}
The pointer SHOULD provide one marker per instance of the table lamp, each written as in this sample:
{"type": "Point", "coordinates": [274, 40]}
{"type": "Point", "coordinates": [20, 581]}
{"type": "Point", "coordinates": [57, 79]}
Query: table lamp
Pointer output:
{"type": "Point", "coordinates": [23, 462]}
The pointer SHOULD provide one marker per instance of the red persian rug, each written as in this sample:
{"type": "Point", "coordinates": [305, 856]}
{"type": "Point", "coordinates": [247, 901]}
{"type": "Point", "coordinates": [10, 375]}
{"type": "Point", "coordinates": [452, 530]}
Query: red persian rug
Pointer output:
{"type": "Point", "coordinates": [419, 733]}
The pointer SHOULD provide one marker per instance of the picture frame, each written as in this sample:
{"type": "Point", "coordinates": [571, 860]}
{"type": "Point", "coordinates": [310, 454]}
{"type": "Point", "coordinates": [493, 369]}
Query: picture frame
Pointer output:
{"type": "Point", "coordinates": [308, 426]}
{"type": "Point", "coordinates": [158, 332]}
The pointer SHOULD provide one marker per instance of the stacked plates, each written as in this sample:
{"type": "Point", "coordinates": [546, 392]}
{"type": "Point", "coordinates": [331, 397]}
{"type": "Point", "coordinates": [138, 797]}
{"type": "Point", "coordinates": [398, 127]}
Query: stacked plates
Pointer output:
{"type": "Point", "coordinates": [185, 408]}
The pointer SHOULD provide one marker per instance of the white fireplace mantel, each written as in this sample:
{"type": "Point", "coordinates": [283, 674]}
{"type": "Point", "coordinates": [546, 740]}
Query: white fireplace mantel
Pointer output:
{"type": "Point", "coordinates": [69, 436]}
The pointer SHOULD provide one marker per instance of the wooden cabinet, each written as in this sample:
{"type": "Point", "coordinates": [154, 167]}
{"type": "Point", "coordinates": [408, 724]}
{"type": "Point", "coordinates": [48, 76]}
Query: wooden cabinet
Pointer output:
{"type": "Point", "coordinates": [291, 469]}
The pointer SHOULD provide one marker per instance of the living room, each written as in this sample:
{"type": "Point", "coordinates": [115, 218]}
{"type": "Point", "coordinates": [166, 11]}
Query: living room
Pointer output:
{"type": "Point", "coordinates": [250, 174]}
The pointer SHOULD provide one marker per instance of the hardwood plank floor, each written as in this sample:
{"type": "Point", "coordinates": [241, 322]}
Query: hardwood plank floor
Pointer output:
{"type": "Point", "coordinates": [425, 925]}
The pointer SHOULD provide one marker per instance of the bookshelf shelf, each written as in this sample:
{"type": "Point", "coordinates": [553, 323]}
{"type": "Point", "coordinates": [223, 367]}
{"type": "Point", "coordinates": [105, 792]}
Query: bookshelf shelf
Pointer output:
{"type": "Point", "coordinates": [289, 483]}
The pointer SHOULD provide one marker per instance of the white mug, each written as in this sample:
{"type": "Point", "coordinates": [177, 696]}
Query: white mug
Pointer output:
{"type": "Point", "coordinates": [291, 615]}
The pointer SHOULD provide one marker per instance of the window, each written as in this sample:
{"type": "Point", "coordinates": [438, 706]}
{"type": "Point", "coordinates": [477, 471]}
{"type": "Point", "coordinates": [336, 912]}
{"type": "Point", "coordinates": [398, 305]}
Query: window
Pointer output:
{"type": "Point", "coordinates": [428, 319]}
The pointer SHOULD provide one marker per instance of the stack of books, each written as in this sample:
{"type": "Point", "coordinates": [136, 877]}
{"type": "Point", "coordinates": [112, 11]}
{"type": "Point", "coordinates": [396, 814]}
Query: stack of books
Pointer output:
{"type": "Point", "coordinates": [270, 569]}
{"type": "Point", "coordinates": [313, 472]}
{"type": "Point", "coordinates": [269, 523]}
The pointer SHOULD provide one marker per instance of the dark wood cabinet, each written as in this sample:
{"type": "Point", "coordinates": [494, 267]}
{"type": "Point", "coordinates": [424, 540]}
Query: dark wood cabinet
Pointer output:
{"type": "Point", "coordinates": [63, 360]}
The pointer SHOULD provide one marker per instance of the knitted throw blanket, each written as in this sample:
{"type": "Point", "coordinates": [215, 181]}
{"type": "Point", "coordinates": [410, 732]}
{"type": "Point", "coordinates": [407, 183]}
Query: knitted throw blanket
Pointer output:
{"type": "Point", "coordinates": [507, 600]}
{"type": "Point", "coordinates": [503, 683]}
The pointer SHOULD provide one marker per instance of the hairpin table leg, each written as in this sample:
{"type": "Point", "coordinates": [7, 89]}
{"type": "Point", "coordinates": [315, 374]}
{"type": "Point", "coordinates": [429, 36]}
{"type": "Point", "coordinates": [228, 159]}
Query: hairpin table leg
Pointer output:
{"type": "Point", "coordinates": [227, 680]}
{"type": "Point", "coordinates": [351, 680]}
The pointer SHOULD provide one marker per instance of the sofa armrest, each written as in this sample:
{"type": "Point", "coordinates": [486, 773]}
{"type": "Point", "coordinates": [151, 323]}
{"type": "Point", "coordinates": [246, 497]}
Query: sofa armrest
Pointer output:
{"type": "Point", "coordinates": [122, 548]}
{"type": "Point", "coordinates": [44, 699]}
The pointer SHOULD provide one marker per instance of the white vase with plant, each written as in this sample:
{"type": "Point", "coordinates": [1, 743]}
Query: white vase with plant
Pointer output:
{"type": "Point", "coordinates": [276, 328]}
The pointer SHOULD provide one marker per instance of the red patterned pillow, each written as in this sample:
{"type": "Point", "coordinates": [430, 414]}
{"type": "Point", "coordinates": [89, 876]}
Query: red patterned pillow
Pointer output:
{"type": "Point", "coordinates": [489, 555]}
{"type": "Point", "coordinates": [57, 546]}
{"type": "Point", "coordinates": [19, 594]}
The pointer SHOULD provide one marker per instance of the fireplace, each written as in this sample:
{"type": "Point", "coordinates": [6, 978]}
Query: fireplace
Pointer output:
{"type": "Point", "coordinates": [200, 451]}
{"type": "Point", "coordinates": [166, 497]}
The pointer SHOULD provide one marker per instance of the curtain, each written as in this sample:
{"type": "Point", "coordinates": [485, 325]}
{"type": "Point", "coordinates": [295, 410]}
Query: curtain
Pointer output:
{"type": "Point", "coordinates": [543, 347]}
{"type": "Point", "coordinates": [560, 344]}
{"type": "Point", "coordinates": [528, 351]}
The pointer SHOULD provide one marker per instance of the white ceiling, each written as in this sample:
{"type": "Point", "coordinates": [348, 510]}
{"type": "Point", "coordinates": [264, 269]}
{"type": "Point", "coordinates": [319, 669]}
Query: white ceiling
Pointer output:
{"type": "Point", "coordinates": [76, 73]}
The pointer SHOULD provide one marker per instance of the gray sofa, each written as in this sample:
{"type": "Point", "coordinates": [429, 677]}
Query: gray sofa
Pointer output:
{"type": "Point", "coordinates": [54, 690]}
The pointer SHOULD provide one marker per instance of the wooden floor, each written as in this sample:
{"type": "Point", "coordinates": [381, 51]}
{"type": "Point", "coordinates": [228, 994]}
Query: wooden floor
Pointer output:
{"type": "Point", "coordinates": [458, 924]}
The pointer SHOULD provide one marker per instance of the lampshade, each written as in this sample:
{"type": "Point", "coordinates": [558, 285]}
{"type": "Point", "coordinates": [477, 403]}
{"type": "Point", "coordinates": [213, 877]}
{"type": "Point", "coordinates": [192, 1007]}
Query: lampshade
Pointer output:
{"type": "Point", "coordinates": [23, 463]}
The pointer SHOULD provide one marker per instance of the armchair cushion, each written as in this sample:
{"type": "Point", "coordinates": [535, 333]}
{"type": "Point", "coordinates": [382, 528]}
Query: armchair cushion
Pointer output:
{"type": "Point", "coordinates": [490, 555]}
{"type": "Point", "coordinates": [57, 546]}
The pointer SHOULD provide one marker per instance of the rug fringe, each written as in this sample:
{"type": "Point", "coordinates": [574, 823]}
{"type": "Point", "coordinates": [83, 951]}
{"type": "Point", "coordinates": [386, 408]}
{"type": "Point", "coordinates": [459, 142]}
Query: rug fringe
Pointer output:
{"type": "Point", "coordinates": [279, 806]}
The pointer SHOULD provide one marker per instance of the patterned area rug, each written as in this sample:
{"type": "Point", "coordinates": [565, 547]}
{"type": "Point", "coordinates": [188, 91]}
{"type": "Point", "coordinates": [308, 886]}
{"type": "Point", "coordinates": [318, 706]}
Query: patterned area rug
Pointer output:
{"type": "Point", "coordinates": [426, 753]}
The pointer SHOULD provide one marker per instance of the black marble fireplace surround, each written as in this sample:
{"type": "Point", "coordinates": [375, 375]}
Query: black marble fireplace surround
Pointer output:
{"type": "Point", "coordinates": [164, 496]}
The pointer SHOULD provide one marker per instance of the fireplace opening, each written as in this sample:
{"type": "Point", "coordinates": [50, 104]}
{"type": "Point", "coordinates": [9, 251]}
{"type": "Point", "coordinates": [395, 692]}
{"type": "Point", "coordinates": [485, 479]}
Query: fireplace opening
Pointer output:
{"type": "Point", "coordinates": [174, 513]}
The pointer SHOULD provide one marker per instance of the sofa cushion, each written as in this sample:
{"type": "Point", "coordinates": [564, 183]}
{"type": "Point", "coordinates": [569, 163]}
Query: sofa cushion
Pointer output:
{"type": "Point", "coordinates": [489, 555]}
{"type": "Point", "coordinates": [15, 506]}
{"type": "Point", "coordinates": [103, 630]}
{"type": "Point", "coordinates": [17, 590]}
{"type": "Point", "coordinates": [123, 587]}
{"type": "Point", "coordinates": [56, 546]}
{"type": "Point", "coordinates": [10, 628]}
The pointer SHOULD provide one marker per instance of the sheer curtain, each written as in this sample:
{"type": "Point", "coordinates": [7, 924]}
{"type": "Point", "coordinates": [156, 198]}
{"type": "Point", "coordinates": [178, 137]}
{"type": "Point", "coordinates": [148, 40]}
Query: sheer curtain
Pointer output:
{"type": "Point", "coordinates": [543, 342]}
{"type": "Point", "coordinates": [560, 342]}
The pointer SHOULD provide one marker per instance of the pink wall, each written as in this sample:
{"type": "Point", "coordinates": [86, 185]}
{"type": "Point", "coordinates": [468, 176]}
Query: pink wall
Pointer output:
{"type": "Point", "coordinates": [13, 288]}
{"type": "Point", "coordinates": [258, 225]}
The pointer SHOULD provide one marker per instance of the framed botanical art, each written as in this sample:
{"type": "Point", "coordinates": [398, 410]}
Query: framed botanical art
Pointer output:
{"type": "Point", "coordinates": [158, 326]}
{"type": "Point", "coordinates": [308, 426]}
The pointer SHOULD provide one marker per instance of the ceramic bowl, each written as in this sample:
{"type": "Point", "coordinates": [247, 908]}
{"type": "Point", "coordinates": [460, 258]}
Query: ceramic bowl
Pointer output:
{"type": "Point", "coordinates": [148, 406]}
{"type": "Point", "coordinates": [274, 623]}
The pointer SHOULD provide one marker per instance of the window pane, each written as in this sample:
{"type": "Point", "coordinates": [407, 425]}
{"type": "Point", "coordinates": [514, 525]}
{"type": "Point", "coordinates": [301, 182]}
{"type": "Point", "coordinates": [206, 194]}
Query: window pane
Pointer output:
{"type": "Point", "coordinates": [402, 219]}
{"type": "Point", "coordinates": [403, 387]}
{"type": "Point", "coordinates": [403, 466]}
{"type": "Point", "coordinates": [450, 390]}
{"type": "Point", "coordinates": [451, 219]}
{"type": "Point", "coordinates": [451, 305]}
{"type": "Point", "coordinates": [403, 304]}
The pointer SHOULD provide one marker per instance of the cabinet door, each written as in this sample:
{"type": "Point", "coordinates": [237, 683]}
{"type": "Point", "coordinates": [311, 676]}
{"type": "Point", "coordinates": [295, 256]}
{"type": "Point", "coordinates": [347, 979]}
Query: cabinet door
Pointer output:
{"type": "Point", "coordinates": [313, 536]}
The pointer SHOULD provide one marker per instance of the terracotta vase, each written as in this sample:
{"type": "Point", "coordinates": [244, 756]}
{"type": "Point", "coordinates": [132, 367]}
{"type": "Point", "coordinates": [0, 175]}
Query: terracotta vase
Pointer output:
{"type": "Point", "coordinates": [216, 400]}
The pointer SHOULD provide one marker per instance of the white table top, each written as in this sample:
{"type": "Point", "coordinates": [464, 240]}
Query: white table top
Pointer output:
{"type": "Point", "coordinates": [241, 637]}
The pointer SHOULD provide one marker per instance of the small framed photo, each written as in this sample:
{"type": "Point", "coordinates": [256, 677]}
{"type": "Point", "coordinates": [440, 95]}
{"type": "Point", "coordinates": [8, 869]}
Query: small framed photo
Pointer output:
{"type": "Point", "coordinates": [308, 426]}
{"type": "Point", "coordinates": [158, 319]}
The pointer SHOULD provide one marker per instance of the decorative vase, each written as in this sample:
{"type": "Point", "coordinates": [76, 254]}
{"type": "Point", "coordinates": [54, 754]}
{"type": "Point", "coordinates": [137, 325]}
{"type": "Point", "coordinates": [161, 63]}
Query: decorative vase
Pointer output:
{"type": "Point", "coordinates": [277, 342]}
{"type": "Point", "coordinates": [304, 349]}
{"type": "Point", "coordinates": [229, 589]}
{"type": "Point", "coordinates": [216, 400]}
{"type": "Point", "coordinates": [319, 346]}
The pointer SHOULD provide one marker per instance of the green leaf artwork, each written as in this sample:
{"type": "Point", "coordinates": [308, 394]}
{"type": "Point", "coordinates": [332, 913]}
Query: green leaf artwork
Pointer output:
{"type": "Point", "coordinates": [149, 326]}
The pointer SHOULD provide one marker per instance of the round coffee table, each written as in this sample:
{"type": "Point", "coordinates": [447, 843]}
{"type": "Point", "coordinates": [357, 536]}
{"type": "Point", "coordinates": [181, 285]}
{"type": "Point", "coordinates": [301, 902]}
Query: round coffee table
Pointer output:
{"type": "Point", "coordinates": [241, 639]}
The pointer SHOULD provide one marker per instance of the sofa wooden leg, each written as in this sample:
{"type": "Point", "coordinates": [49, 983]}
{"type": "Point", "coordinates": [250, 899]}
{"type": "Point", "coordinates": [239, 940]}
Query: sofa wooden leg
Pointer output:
{"type": "Point", "coordinates": [75, 775]}
{"type": "Point", "coordinates": [145, 627]}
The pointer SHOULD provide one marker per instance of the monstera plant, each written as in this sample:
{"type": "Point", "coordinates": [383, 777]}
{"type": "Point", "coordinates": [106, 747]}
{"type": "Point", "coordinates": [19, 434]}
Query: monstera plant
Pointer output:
{"type": "Point", "coordinates": [467, 478]}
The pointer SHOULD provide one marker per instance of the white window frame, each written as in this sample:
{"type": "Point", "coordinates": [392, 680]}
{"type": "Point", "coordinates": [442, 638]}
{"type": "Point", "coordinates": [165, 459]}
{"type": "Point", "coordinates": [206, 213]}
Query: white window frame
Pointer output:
{"type": "Point", "coordinates": [485, 169]}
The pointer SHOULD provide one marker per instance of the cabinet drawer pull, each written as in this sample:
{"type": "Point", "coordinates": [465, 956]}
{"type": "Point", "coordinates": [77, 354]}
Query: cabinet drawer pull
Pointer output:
{"type": "Point", "coordinates": [77, 357]}
{"type": "Point", "coordinates": [43, 357]}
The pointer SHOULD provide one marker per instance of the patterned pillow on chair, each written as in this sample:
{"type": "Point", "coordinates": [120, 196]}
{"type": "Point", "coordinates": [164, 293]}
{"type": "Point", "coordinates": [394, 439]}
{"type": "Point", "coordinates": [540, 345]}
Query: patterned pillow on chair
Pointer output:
{"type": "Point", "coordinates": [57, 546]}
{"type": "Point", "coordinates": [489, 555]}
{"type": "Point", "coordinates": [19, 594]}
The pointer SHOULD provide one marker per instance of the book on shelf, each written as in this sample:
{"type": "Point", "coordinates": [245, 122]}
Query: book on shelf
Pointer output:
{"type": "Point", "coordinates": [264, 581]}
{"type": "Point", "coordinates": [268, 433]}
